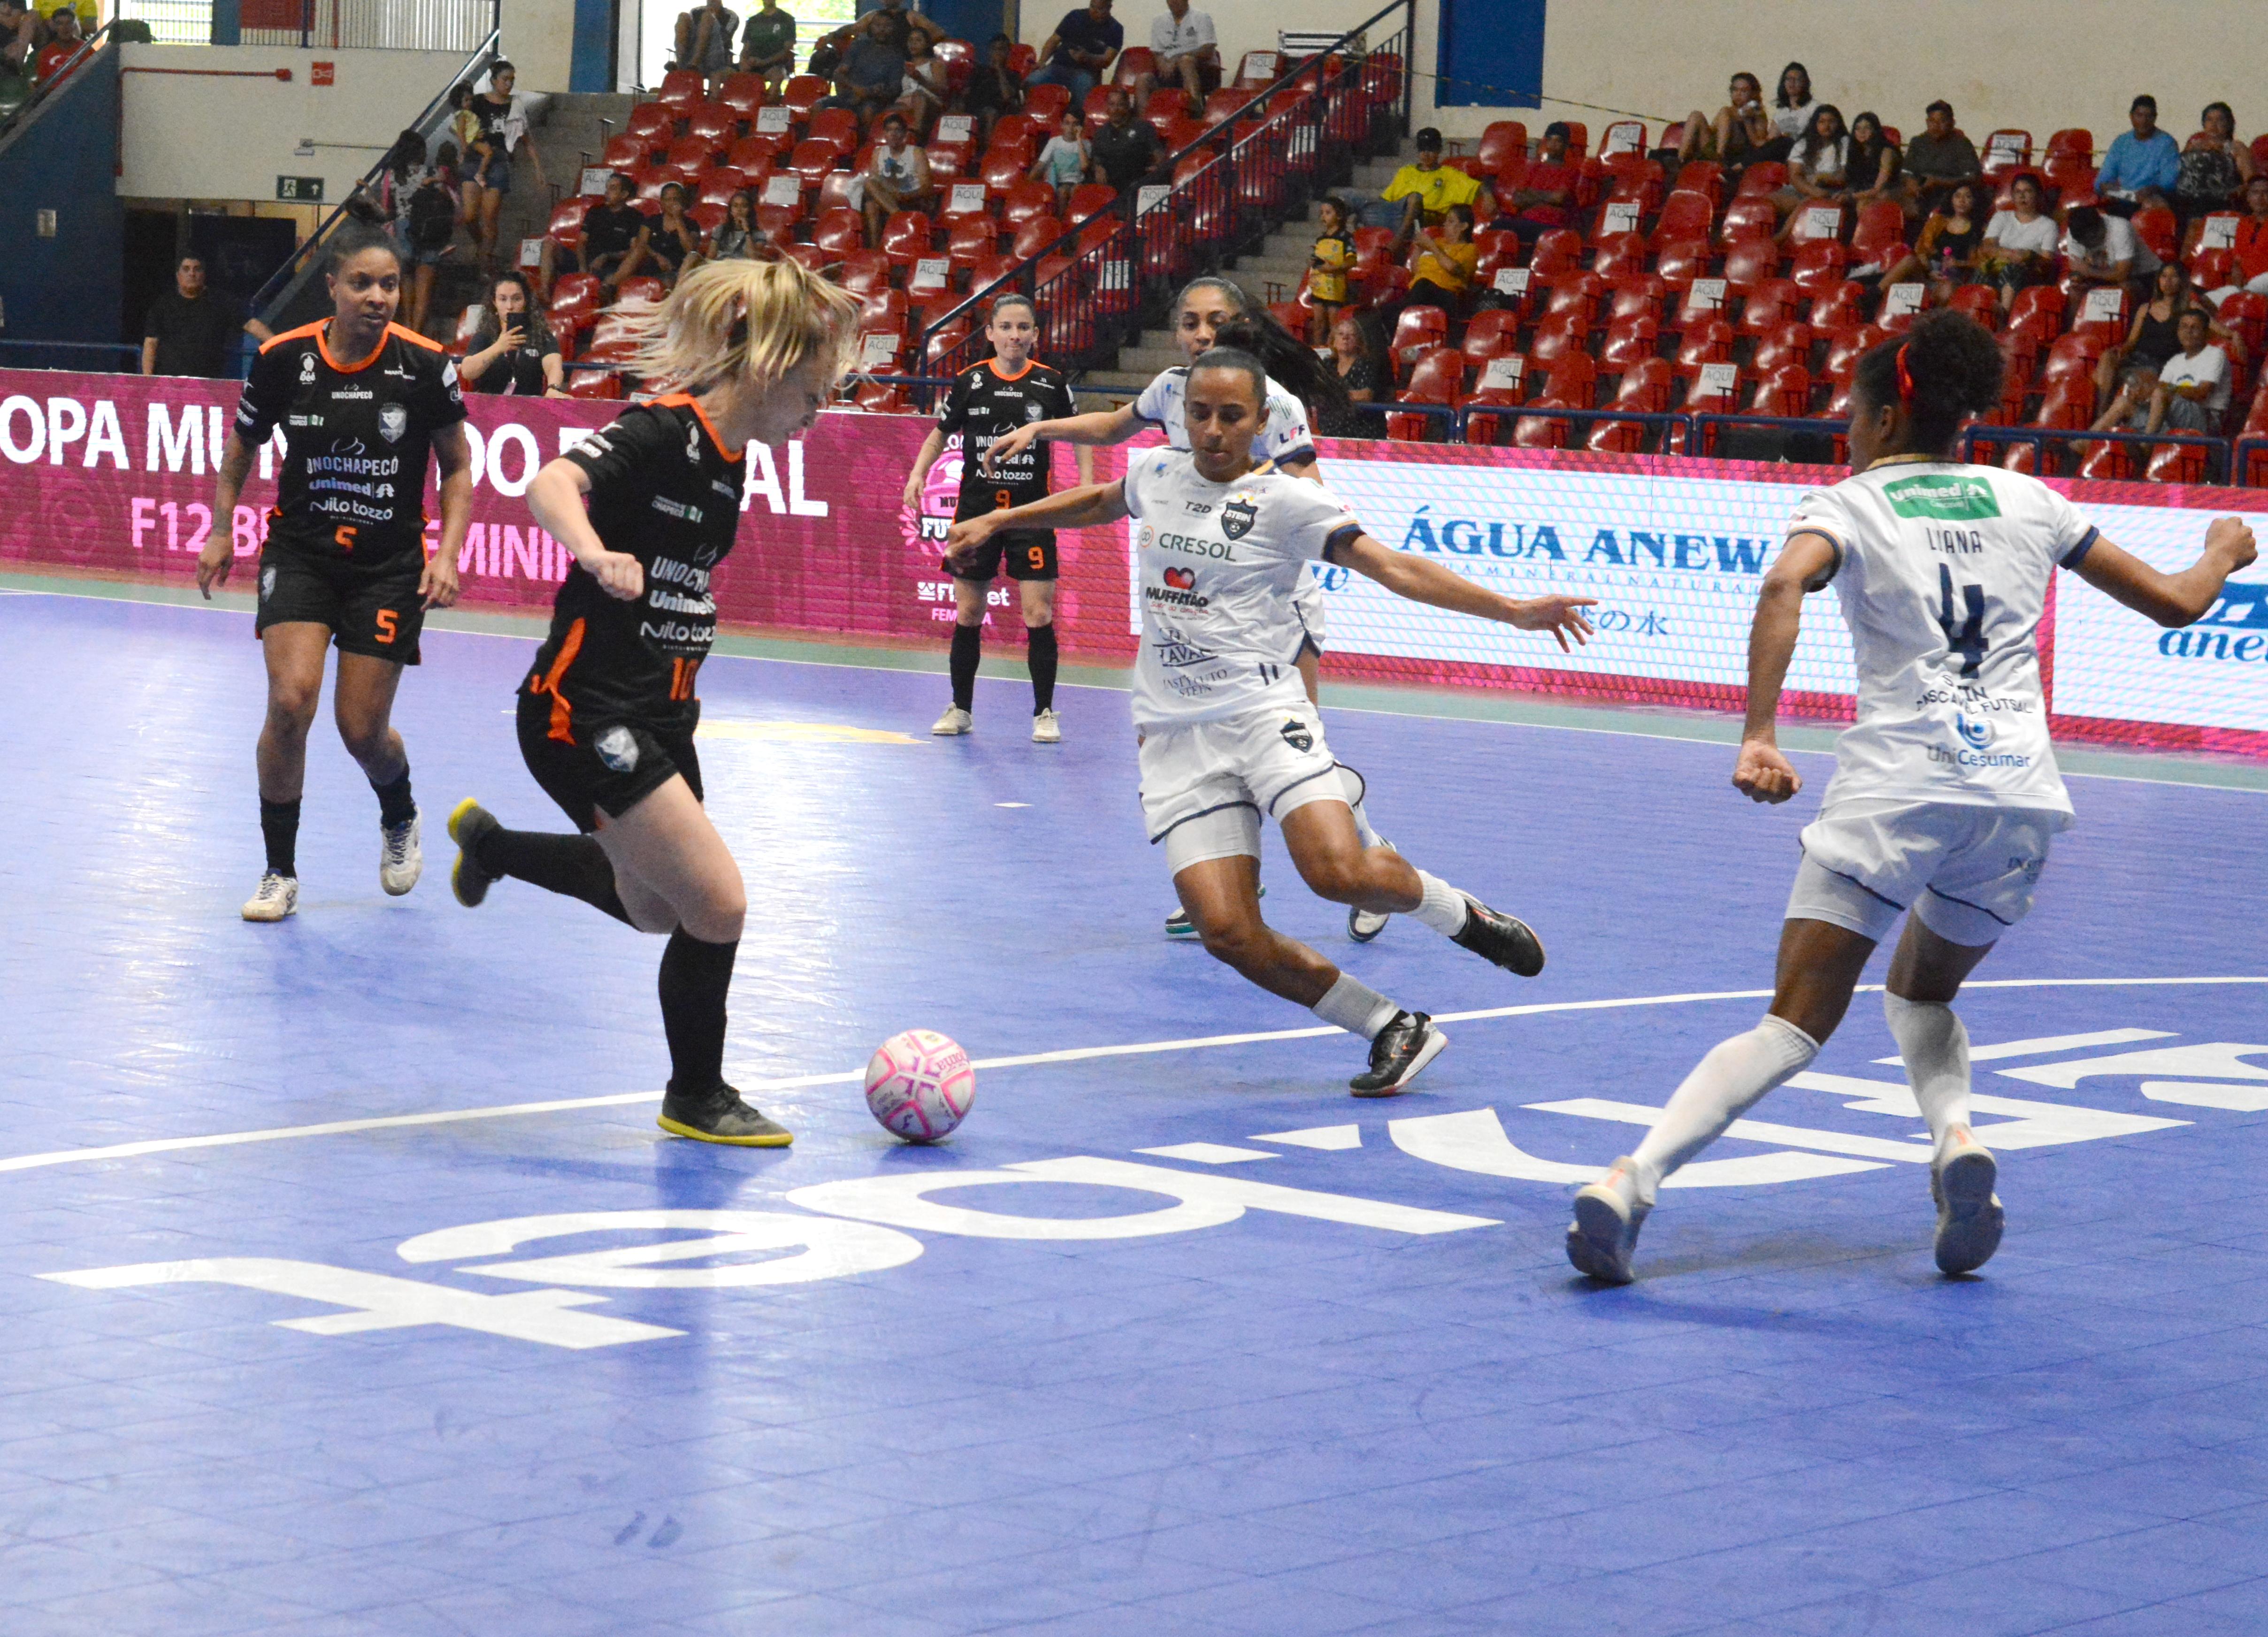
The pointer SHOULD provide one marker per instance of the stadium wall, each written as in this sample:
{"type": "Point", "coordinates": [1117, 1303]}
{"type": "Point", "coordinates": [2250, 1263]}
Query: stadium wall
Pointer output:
{"type": "Point", "coordinates": [113, 475]}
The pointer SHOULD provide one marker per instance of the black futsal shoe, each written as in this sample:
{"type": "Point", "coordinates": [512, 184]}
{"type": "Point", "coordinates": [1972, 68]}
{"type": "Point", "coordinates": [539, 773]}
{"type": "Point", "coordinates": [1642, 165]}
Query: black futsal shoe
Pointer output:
{"type": "Point", "coordinates": [469, 826]}
{"type": "Point", "coordinates": [720, 1115]}
{"type": "Point", "coordinates": [1403, 1047]}
{"type": "Point", "coordinates": [1506, 940]}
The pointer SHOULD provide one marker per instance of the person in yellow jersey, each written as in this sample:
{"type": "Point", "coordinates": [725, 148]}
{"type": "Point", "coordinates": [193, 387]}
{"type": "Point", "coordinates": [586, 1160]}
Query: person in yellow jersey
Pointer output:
{"type": "Point", "coordinates": [1427, 188]}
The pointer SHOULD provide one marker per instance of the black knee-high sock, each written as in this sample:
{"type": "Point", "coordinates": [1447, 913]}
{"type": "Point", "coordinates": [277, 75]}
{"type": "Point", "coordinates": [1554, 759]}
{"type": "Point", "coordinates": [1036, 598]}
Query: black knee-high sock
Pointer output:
{"type": "Point", "coordinates": [396, 805]}
{"type": "Point", "coordinates": [1042, 660]}
{"type": "Point", "coordinates": [279, 828]}
{"type": "Point", "coordinates": [968, 643]}
{"type": "Point", "coordinates": [694, 977]}
{"type": "Point", "coordinates": [575, 865]}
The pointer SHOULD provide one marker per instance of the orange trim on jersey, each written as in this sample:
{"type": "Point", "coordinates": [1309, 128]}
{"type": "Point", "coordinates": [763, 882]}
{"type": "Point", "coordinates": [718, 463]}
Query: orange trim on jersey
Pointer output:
{"type": "Point", "coordinates": [686, 400]}
{"type": "Point", "coordinates": [323, 346]}
{"type": "Point", "coordinates": [994, 365]}
{"type": "Point", "coordinates": [414, 339]}
{"type": "Point", "coordinates": [292, 334]}
{"type": "Point", "coordinates": [562, 714]}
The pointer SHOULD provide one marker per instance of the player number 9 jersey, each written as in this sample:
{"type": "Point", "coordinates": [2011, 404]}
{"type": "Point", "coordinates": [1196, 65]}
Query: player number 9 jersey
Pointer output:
{"type": "Point", "coordinates": [987, 403]}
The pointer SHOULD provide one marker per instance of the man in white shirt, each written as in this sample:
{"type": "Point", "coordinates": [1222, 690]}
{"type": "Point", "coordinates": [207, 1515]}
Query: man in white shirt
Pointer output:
{"type": "Point", "coordinates": [2099, 249]}
{"type": "Point", "coordinates": [1182, 41]}
{"type": "Point", "coordinates": [2192, 391]}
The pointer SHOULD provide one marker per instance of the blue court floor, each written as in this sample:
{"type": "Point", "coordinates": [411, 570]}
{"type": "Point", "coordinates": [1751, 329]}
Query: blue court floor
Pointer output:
{"type": "Point", "coordinates": [349, 1287]}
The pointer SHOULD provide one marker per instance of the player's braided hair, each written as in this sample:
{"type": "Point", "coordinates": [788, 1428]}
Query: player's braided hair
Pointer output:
{"type": "Point", "coordinates": [1944, 369]}
{"type": "Point", "coordinates": [746, 320]}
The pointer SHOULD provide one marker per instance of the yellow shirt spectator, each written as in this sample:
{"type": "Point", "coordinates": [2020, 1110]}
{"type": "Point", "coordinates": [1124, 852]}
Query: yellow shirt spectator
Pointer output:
{"type": "Point", "coordinates": [1437, 188]}
{"type": "Point", "coordinates": [1450, 266]}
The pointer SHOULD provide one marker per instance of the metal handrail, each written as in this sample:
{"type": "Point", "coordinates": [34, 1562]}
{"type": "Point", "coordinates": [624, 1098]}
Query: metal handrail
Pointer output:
{"type": "Point", "coordinates": [1212, 138]}
{"type": "Point", "coordinates": [285, 282]}
{"type": "Point", "coordinates": [2040, 437]}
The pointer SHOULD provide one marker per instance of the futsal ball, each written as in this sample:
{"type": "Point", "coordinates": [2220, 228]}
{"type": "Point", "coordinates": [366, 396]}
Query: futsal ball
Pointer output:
{"type": "Point", "coordinates": [919, 1085]}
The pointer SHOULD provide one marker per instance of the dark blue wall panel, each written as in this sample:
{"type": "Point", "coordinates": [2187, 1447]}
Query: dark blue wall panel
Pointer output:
{"type": "Point", "coordinates": [64, 158]}
{"type": "Point", "coordinates": [1490, 54]}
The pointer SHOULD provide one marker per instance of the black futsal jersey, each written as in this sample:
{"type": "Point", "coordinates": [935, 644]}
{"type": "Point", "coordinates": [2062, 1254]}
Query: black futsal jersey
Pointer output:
{"type": "Point", "coordinates": [352, 487]}
{"type": "Point", "coordinates": [664, 490]}
{"type": "Point", "coordinates": [987, 403]}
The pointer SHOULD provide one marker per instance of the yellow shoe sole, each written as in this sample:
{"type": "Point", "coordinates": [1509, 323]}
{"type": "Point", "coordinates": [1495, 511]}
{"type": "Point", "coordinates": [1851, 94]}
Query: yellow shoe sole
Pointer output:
{"type": "Point", "coordinates": [457, 817]}
{"type": "Point", "coordinates": [675, 1129]}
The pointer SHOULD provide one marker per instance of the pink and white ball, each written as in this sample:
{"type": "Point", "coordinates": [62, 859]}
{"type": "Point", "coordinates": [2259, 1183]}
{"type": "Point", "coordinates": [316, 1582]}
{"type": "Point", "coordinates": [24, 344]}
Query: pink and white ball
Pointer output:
{"type": "Point", "coordinates": [919, 1085]}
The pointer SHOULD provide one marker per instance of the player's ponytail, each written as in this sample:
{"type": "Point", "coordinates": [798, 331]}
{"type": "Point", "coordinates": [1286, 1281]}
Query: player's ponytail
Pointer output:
{"type": "Point", "coordinates": [1291, 362]}
{"type": "Point", "coordinates": [1944, 369]}
{"type": "Point", "coordinates": [746, 320]}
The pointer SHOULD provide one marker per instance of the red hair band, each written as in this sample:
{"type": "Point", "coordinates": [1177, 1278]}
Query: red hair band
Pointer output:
{"type": "Point", "coordinates": [1905, 376]}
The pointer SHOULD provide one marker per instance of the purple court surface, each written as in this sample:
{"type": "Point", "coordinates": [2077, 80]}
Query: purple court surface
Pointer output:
{"type": "Point", "coordinates": [349, 1288]}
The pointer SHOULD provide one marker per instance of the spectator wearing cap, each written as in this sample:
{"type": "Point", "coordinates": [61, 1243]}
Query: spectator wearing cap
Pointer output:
{"type": "Point", "coordinates": [1937, 159]}
{"type": "Point", "coordinates": [2144, 164]}
{"type": "Point", "coordinates": [1126, 149]}
{"type": "Point", "coordinates": [1545, 198]}
{"type": "Point", "coordinates": [191, 329]}
{"type": "Point", "coordinates": [1425, 188]}
{"type": "Point", "coordinates": [1187, 52]}
{"type": "Point", "coordinates": [1080, 51]}
{"type": "Point", "coordinates": [768, 45]}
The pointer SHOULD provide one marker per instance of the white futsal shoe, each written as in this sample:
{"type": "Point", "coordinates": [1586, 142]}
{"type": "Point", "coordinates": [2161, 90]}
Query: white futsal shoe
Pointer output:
{"type": "Point", "coordinates": [1607, 1215]}
{"type": "Point", "coordinates": [954, 721]}
{"type": "Point", "coordinates": [1969, 1215]}
{"type": "Point", "coordinates": [400, 861]}
{"type": "Point", "coordinates": [1047, 728]}
{"type": "Point", "coordinates": [277, 897]}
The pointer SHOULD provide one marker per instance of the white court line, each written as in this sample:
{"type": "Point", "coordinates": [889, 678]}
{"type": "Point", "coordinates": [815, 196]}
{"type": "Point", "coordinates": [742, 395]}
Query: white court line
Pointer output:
{"type": "Point", "coordinates": [1080, 1054]}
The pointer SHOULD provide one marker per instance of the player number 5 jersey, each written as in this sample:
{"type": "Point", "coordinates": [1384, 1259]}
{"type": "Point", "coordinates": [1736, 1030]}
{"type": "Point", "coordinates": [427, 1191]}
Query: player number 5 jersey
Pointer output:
{"type": "Point", "coordinates": [1943, 573]}
{"type": "Point", "coordinates": [1219, 566]}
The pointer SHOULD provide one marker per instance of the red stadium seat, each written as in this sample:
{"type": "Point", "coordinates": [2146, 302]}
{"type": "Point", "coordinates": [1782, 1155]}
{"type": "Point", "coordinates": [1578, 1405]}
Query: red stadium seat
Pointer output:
{"type": "Point", "coordinates": [806, 255]}
{"type": "Point", "coordinates": [1027, 200]}
{"type": "Point", "coordinates": [837, 126]}
{"type": "Point", "coordinates": [625, 151]}
{"type": "Point", "coordinates": [1813, 221]}
{"type": "Point", "coordinates": [1001, 169]}
{"type": "Point", "coordinates": [1818, 266]}
{"type": "Point", "coordinates": [812, 161]}
{"type": "Point", "coordinates": [1646, 387]}
{"type": "Point", "coordinates": [777, 222]}
{"type": "Point", "coordinates": [1035, 236]}
{"type": "Point", "coordinates": [1257, 68]}
{"type": "Point", "coordinates": [716, 187]}
{"type": "Point", "coordinates": [742, 93]}
{"type": "Point", "coordinates": [1708, 342]}
{"type": "Point", "coordinates": [1574, 380]}
{"type": "Point", "coordinates": [1847, 347]}
{"type": "Point", "coordinates": [906, 236]}
{"type": "Point", "coordinates": [1762, 179]}
{"type": "Point", "coordinates": [1684, 216]}
{"type": "Point", "coordinates": [1491, 334]}
{"type": "Point", "coordinates": [1789, 344]}
{"type": "Point", "coordinates": [566, 227]}
{"type": "Point", "coordinates": [1532, 432]}
{"type": "Point", "coordinates": [864, 272]}
{"type": "Point", "coordinates": [2071, 177]}
{"type": "Point", "coordinates": [2156, 228]}
{"type": "Point", "coordinates": [594, 384]}
{"type": "Point", "coordinates": [1880, 236]}
{"type": "Point", "coordinates": [640, 291]}
{"type": "Point", "coordinates": [1749, 262]}
{"type": "Point", "coordinates": [1503, 141]}
{"type": "Point", "coordinates": [750, 152]}
{"type": "Point", "coordinates": [2006, 151]}
{"type": "Point", "coordinates": [2107, 462]}
{"type": "Point", "coordinates": [1631, 341]}
{"type": "Point", "coordinates": [1681, 264]}
{"type": "Point", "coordinates": [1704, 176]}
{"type": "Point", "coordinates": [1483, 428]}
{"type": "Point", "coordinates": [574, 301]}
{"type": "Point", "coordinates": [1435, 377]}
{"type": "Point", "coordinates": [1046, 104]}
{"type": "Point", "coordinates": [1632, 297]}
{"type": "Point", "coordinates": [2042, 302]}
{"type": "Point", "coordinates": [1557, 250]}
{"type": "Point", "coordinates": [1133, 64]}
{"type": "Point", "coordinates": [2177, 463]}
{"type": "Point", "coordinates": [839, 232]}
{"type": "Point", "coordinates": [652, 124]}
{"type": "Point", "coordinates": [1091, 199]}
{"type": "Point", "coordinates": [1023, 58]}
{"type": "Point", "coordinates": [801, 95]}
{"type": "Point", "coordinates": [1419, 327]}
{"type": "Point", "coordinates": [647, 184]}
{"type": "Point", "coordinates": [2074, 355]}
{"type": "Point", "coordinates": [1784, 391]}
{"type": "Point", "coordinates": [1557, 339]}
{"type": "Point", "coordinates": [2074, 140]}
{"type": "Point", "coordinates": [1770, 303]}
{"type": "Point", "coordinates": [1164, 109]}
{"type": "Point", "coordinates": [834, 192]}
{"type": "Point", "coordinates": [682, 89]}
{"type": "Point", "coordinates": [1981, 302]}
{"type": "Point", "coordinates": [688, 156]}
{"type": "Point", "coordinates": [1748, 218]}
{"type": "Point", "coordinates": [1619, 255]}
{"type": "Point", "coordinates": [714, 124]}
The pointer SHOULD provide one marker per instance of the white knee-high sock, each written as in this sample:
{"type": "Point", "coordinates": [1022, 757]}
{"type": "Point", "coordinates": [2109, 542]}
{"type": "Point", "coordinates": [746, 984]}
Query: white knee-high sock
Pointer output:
{"type": "Point", "coordinates": [1723, 1085]}
{"type": "Point", "coordinates": [1935, 1046]}
{"type": "Point", "coordinates": [1352, 782]}
{"type": "Point", "coordinates": [1355, 1008]}
{"type": "Point", "coordinates": [1442, 908]}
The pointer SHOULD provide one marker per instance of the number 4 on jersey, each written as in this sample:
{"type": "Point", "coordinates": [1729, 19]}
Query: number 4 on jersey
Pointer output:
{"type": "Point", "coordinates": [1966, 638]}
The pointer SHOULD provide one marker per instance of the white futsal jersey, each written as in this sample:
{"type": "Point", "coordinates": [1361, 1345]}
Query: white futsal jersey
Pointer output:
{"type": "Point", "coordinates": [1220, 563]}
{"type": "Point", "coordinates": [1283, 436]}
{"type": "Point", "coordinates": [1942, 570]}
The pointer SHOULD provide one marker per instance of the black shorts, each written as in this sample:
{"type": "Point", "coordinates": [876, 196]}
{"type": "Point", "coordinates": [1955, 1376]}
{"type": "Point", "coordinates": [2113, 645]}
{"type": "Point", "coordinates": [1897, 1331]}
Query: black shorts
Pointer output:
{"type": "Point", "coordinates": [1026, 554]}
{"type": "Point", "coordinates": [371, 608]}
{"type": "Point", "coordinates": [607, 767]}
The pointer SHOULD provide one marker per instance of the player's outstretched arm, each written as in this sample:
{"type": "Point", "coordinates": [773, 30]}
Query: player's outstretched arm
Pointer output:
{"type": "Point", "coordinates": [219, 554]}
{"type": "Point", "coordinates": [1091, 507]}
{"type": "Point", "coordinates": [2173, 600]}
{"type": "Point", "coordinates": [438, 585]}
{"type": "Point", "coordinates": [555, 501]}
{"type": "Point", "coordinates": [1421, 579]}
{"type": "Point", "coordinates": [1804, 565]}
{"type": "Point", "coordinates": [1097, 426]}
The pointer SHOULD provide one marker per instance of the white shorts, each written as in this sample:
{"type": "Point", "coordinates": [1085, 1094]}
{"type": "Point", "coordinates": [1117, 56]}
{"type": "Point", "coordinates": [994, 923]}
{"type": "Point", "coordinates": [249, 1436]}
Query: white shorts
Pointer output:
{"type": "Point", "coordinates": [1205, 786]}
{"type": "Point", "coordinates": [1307, 602]}
{"type": "Point", "coordinates": [1969, 872]}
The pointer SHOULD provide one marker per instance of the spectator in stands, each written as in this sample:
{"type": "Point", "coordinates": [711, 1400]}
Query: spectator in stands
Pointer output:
{"type": "Point", "coordinates": [463, 128]}
{"type": "Point", "coordinates": [1951, 240]}
{"type": "Point", "coordinates": [927, 84]}
{"type": "Point", "coordinates": [1426, 187]}
{"type": "Point", "coordinates": [1079, 53]}
{"type": "Point", "coordinates": [1873, 173]}
{"type": "Point", "coordinates": [737, 236]}
{"type": "Point", "coordinates": [874, 72]}
{"type": "Point", "coordinates": [2020, 244]}
{"type": "Point", "coordinates": [828, 52]}
{"type": "Point", "coordinates": [1446, 260]}
{"type": "Point", "coordinates": [610, 234]}
{"type": "Point", "coordinates": [1126, 151]}
{"type": "Point", "coordinates": [1359, 376]}
{"type": "Point", "coordinates": [382, 203]}
{"type": "Point", "coordinates": [1753, 140]}
{"type": "Point", "coordinates": [2192, 393]}
{"type": "Point", "coordinates": [1792, 103]}
{"type": "Point", "coordinates": [2099, 249]}
{"type": "Point", "coordinates": [1064, 163]}
{"type": "Point", "coordinates": [512, 351]}
{"type": "Point", "coordinates": [1328, 266]}
{"type": "Point", "coordinates": [900, 24]}
{"type": "Point", "coordinates": [1187, 53]}
{"type": "Point", "coordinates": [767, 46]}
{"type": "Point", "coordinates": [2251, 246]}
{"type": "Point", "coordinates": [704, 41]}
{"type": "Point", "coordinates": [1703, 138]}
{"type": "Point", "coordinates": [1818, 167]}
{"type": "Point", "coordinates": [1938, 160]}
{"type": "Point", "coordinates": [994, 88]}
{"type": "Point", "coordinates": [2144, 164]}
{"type": "Point", "coordinates": [64, 41]}
{"type": "Point", "coordinates": [191, 330]}
{"type": "Point", "coordinates": [2132, 367]}
{"type": "Point", "coordinates": [430, 219]}
{"type": "Point", "coordinates": [22, 33]}
{"type": "Point", "coordinates": [503, 134]}
{"type": "Point", "coordinates": [2215, 166]}
{"type": "Point", "coordinates": [669, 244]}
{"type": "Point", "coordinates": [896, 179]}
